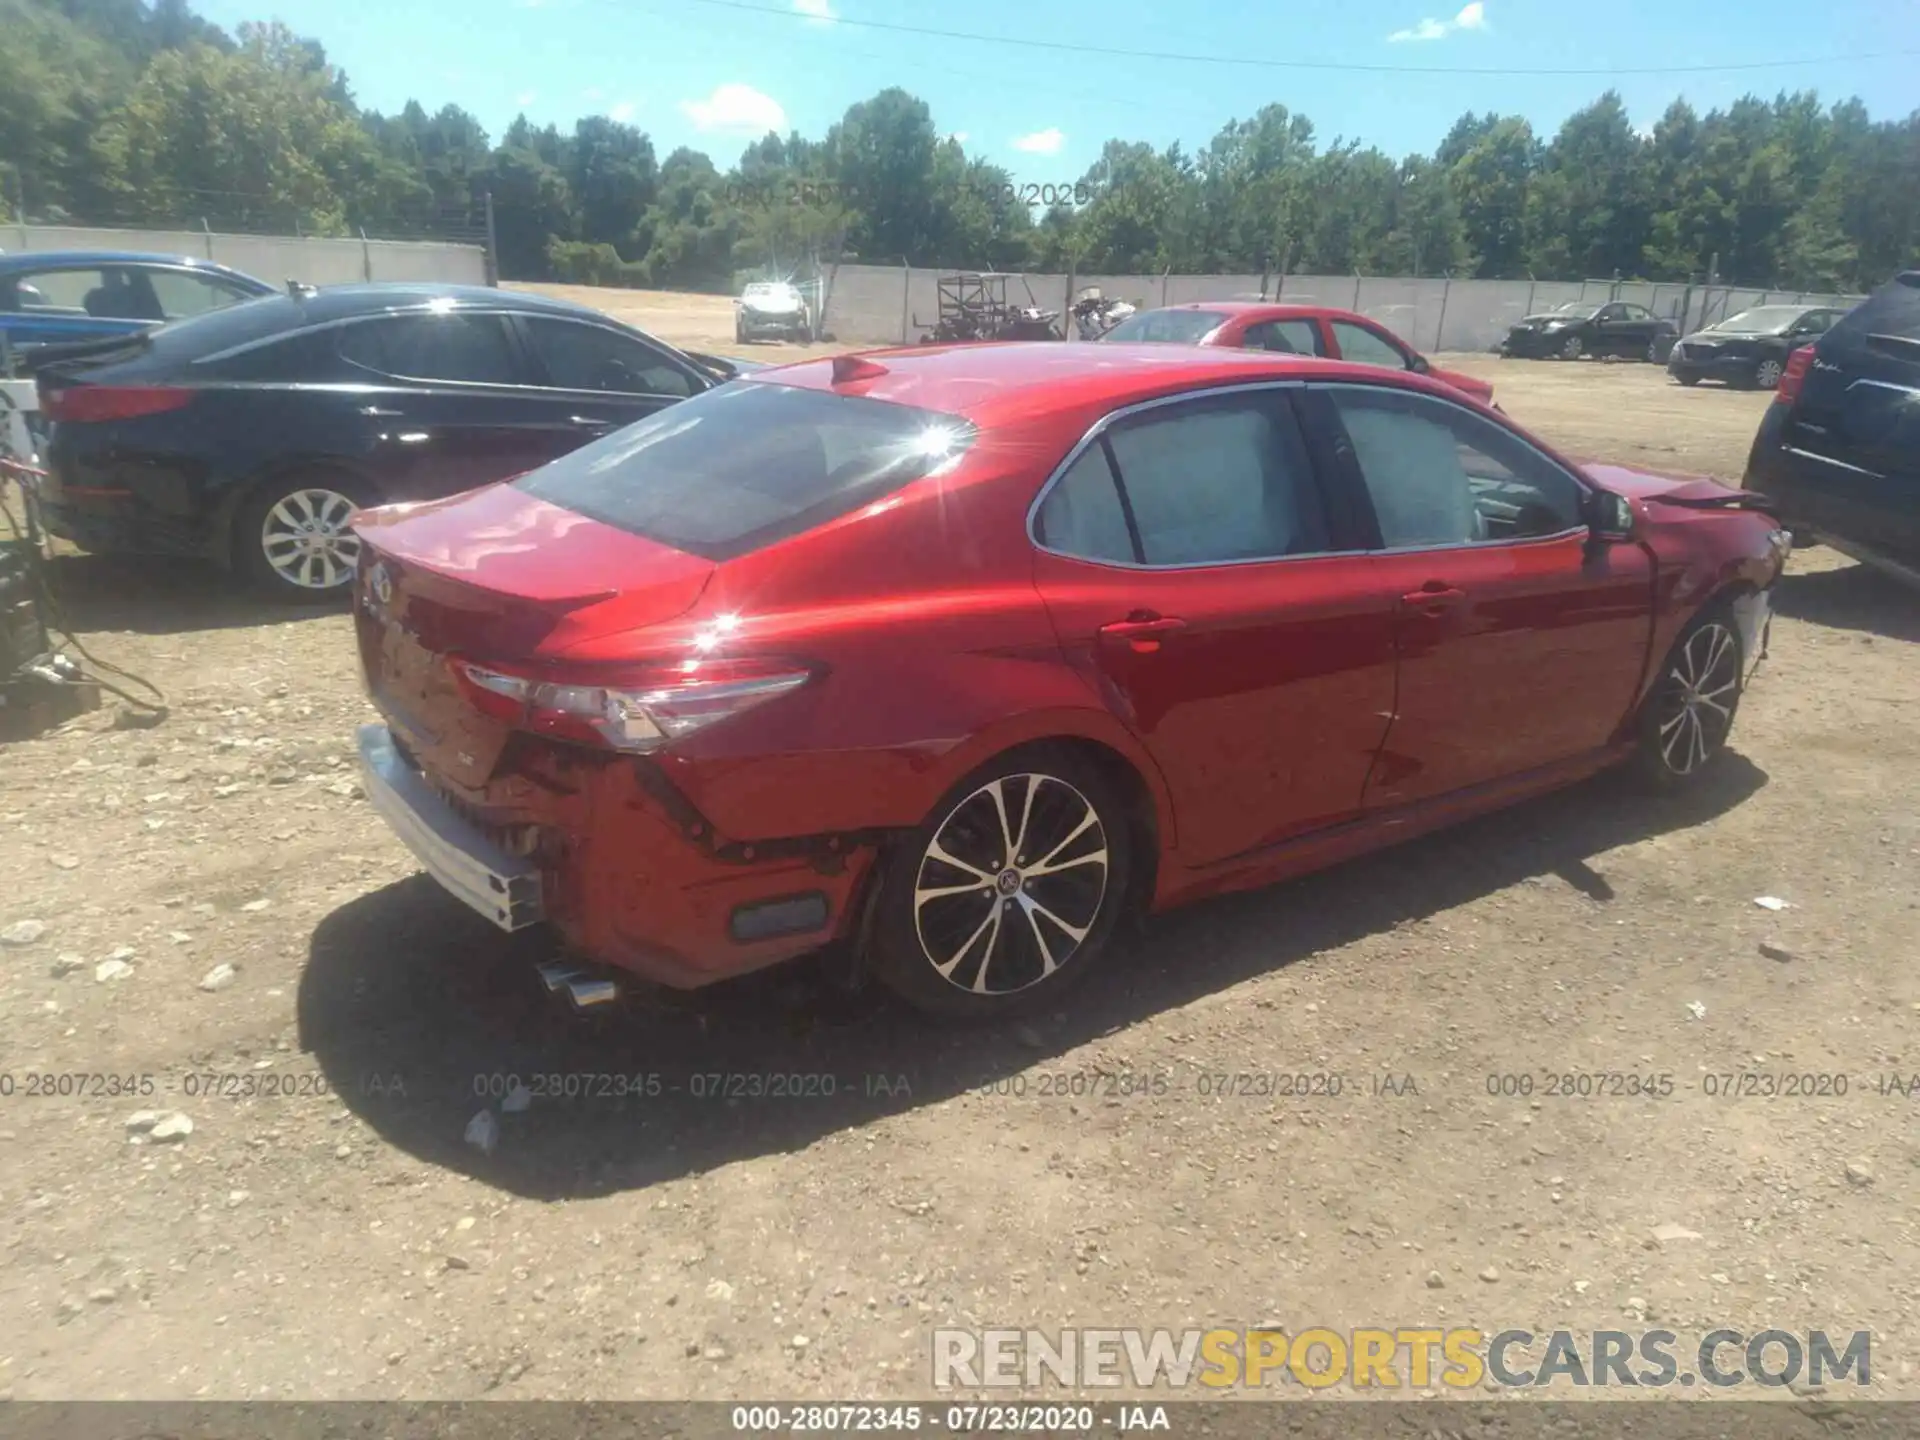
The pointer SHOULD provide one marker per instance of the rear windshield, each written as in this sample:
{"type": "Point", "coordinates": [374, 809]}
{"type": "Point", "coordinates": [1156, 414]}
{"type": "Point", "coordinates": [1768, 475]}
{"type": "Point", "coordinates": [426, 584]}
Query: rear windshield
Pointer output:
{"type": "Point", "coordinates": [748, 464]}
{"type": "Point", "coordinates": [1174, 327]}
{"type": "Point", "coordinates": [1761, 320]}
{"type": "Point", "coordinates": [200, 336]}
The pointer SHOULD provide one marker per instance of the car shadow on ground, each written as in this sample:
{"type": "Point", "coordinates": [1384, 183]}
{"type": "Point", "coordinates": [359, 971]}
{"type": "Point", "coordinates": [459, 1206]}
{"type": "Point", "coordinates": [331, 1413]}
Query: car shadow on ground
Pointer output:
{"type": "Point", "coordinates": [1851, 597]}
{"type": "Point", "coordinates": [417, 1011]}
{"type": "Point", "coordinates": [156, 596]}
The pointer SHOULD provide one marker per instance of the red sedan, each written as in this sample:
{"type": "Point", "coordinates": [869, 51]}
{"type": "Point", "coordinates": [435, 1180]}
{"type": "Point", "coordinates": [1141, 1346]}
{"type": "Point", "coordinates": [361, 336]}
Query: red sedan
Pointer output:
{"type": "Point", "coordinates": [1291, 330]}
{"type": "Point", "coordinates": [946, 658]}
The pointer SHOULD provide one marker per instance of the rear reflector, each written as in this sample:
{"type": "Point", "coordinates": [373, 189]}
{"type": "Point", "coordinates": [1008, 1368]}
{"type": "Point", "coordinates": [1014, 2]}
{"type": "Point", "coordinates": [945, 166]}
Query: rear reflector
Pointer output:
{"type": "Point", "coordinates": [769, 919]}
{"type": "Point", "coordinates": [1794, 376]}
{"type": "Point", "coordinates": [87, 404]}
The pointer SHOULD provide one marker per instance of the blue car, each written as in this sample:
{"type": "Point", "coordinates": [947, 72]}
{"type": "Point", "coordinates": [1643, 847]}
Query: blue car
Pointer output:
{"type": "Point", "coordinates": [64, 297]}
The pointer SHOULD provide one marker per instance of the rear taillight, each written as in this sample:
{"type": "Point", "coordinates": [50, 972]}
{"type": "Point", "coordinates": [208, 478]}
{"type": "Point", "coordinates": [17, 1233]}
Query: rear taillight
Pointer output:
{"type": "Point", "coordinates": [1794, 376]}
{"type": "Point", "coordinates": [636, 710]}
{"type": "Point", "coordinates": [92, 403]}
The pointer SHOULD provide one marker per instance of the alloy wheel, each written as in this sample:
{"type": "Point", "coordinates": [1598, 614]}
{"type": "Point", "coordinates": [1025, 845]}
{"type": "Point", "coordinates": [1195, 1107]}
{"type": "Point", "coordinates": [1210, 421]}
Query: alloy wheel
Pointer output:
{"type": "Point", "coordinates": [1571, 348]}
{"type": "Point", "coordinates": [1696, 711]}
{"type": "Point", "coordinates": [306, 540]}
{"type": "Point", "coordinates": [1767, 374]}
{"type": "Point", "coordinates": [1011, 884]}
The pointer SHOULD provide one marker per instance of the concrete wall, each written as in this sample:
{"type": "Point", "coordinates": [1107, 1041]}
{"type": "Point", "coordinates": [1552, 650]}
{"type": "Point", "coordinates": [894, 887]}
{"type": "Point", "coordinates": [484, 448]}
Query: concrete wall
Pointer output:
{"type": "Point", "coordinates": [274, 258]}
{"type": "Point", "coordinates": [883, 305]}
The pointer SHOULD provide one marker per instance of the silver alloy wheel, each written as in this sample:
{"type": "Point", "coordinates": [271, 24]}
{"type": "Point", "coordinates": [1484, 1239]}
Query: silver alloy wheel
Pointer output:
{"type": "Point", "coordinates": [1697, 708]}
{"type": "Point", "coordinates": [1571, 348]}
{"type": "Point", "coordinates": [1767, 374]}
{"type": "Point", "coordinates": [1011, 884]}
{"type": "Point", "coordinates": [306, 540]}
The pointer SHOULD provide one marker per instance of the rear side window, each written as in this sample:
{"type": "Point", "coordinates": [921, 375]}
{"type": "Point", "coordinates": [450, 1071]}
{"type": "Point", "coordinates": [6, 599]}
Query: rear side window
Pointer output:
{"type": "Point", "coordinates": [457, 347]}
{"type": "Point", "coordinates": [55, 292]}
{"type": "Point", "coordinates": [1218, 480]}
{"type": "Point", "coordinates": [749, 464]}
{"type": "Point", "coordinates": [1082, 515]}
{"type": "Point", "coordinates": [1287, 337]}
{"type": "Point", "coordinates": [1363, 347]}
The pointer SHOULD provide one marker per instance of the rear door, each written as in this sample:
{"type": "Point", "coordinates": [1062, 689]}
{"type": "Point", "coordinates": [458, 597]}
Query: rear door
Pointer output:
{"type": "Point", "coordinates": [450, 396]}
{"type": "Point", "coordinates": [594, 379]}
{"type": "Point", "coordinates": [1519, 644]}
{"type": "Point", "coordinates": [1192, 567]}
{"type": "Point", "coordinates": [1857, 422]}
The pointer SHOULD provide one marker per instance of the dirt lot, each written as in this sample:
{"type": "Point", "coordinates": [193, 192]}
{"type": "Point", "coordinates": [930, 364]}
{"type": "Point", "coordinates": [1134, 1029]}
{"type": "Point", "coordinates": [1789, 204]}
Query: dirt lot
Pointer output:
{"type": "Point", "coordinates": [349, 1244]}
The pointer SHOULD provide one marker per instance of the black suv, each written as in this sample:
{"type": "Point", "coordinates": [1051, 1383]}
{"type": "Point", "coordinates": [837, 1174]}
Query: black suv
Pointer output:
{"type": "Point", "coordinates": [1839, 449]}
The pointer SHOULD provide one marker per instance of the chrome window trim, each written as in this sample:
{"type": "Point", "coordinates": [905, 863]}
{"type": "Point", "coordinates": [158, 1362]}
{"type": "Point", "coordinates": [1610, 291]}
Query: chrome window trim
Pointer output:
{"type": "Point", "coordinates": [1105, 422]}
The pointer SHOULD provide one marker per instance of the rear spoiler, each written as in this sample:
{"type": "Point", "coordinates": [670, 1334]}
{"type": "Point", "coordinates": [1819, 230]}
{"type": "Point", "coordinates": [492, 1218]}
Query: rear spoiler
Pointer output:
{"type": "Point", "coordinates": [41, 357]}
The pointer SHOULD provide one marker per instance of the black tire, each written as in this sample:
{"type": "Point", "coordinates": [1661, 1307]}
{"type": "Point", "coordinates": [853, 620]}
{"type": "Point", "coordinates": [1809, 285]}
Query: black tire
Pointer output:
{"type": "Point", "coordinates": [333, 555]}
{"type": "Point", "coordinates": [1679, 741]}
{"type": "Point", "coordinates": [739, 332]}
{"type": "Point", "coordinates": [997, 972]}
{"type": "Point", "coordinates": [1572, 348]}
{"type": "Point", "coordinates": [1687, 377]}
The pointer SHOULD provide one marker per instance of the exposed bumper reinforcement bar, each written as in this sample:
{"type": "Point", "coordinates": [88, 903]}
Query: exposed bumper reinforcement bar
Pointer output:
{"type": "Point", "coordinates": [502, 886]}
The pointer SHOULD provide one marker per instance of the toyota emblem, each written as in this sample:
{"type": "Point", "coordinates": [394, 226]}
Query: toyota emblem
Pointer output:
{"type": "Point", "coordinates": [380, 584]}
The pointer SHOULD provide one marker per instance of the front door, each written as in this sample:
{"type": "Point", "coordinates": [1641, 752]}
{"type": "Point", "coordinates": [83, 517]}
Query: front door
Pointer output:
{"type": "Point", "coordinates": [593, 379]}
{"type": "Point", "coordinates": [1520, 645]}
{"type": "Point", "coordinates": [1184, 558]}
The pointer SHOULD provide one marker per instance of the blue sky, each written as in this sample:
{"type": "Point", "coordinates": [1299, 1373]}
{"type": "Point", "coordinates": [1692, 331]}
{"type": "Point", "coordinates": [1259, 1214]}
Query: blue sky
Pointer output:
{"type": "Point", "coordinates": [715, 74]}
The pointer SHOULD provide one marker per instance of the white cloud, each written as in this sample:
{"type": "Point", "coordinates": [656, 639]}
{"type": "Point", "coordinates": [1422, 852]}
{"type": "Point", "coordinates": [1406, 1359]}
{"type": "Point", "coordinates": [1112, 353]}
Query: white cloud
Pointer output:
{"type": "Point", "coordinates": [526, 98]}
{"type": "Point", "coordinates": [820, 11]}
{"type": "Point", "coordinates": [622, 112]}
{"type": "Point", "coordinates": [1471, 17]}
{"type": "Point", "coordinates": [736, 107]}
{"type": "Point", "coordinates": [1041, 142]}
{"type": "Point", "coordinates": [593, 92]}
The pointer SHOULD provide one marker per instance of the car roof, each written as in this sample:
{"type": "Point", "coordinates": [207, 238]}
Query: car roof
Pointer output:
{"type": "Point", "coordinates": [346, 302]}
{"type": "Point", "coordinates": [63, 259]}
{"type": "Point", "coordinates": [1006, 382]}
{"type": "Point", "coordinates": [1245, 307]}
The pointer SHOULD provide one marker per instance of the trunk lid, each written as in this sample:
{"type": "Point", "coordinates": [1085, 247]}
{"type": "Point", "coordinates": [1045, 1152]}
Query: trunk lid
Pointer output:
{"type": "Point", "coordinates": [494, 575]}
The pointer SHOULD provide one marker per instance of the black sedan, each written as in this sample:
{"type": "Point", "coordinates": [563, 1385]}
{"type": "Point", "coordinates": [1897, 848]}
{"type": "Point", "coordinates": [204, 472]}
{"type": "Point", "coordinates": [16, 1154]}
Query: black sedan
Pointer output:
{"type": "Point", "coordinates": [1838, 451]}
{"type": "Point", "coordinates": [1749, 349]}
{"type": "Point", "coordinates": [249, 436]}
{"type": "Point", "coordinates": [1584, 327]}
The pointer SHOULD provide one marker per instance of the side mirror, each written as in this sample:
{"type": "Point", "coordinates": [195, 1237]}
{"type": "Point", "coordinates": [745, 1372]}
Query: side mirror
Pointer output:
{"type": "Point", "coordinates": [1609, 517]}
{"type": "Point", "coordinates": [1419, 365]}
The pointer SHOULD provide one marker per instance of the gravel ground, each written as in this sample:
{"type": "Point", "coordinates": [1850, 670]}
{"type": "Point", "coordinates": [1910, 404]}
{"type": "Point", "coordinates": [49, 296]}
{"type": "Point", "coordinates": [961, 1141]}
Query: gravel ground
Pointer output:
{"type": "Point", "coordinates": [212, 904]}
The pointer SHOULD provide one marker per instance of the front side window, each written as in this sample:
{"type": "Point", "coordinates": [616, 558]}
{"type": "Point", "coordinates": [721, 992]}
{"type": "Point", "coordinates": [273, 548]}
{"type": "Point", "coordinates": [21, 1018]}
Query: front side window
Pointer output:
{"type": "Point", "coordinates": [745, 465]}
{"type": "Point", "coordinates": [1635, 313]}
{"type": "Point", "coordinates": [579, 356]}
{"type": "Point", "coordinates": [456, 347]}
{"type": "Point", "coordinates": [1363, 347]}
{"type": "Point", "coordinates": [1169, 327]}
{"type": "Point", "coordinates": [1438, 474]}
{"type": "Point", "coordinates": [1208, 482]}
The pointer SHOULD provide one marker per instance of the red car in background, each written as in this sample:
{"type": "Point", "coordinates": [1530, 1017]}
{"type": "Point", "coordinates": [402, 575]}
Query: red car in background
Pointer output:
{"type": "Point", "coordinates": [1291, 330]}
{"type": "Point", "coordinates": [946, 658]}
